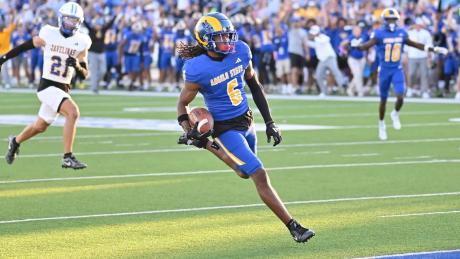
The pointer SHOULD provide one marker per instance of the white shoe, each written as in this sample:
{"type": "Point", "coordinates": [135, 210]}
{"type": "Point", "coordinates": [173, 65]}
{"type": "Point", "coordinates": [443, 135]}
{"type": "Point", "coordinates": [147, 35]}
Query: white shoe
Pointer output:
{"type": "Point", "coordinates": [457, 96]}
{"type": "Point", "coordinates": [409, 92]}
{"type": "Point", "coordinates": [322, 95]}
{"type": "Point", "coordinates": [425, 95]}
{"type": "Point", "coordinates": [395, 118]}
{"type": "Point", "coordinates": [382, 131]}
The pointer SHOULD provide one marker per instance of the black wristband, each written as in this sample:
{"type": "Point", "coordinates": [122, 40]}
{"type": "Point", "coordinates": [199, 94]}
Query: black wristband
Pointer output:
{"type": "Point", "coordinates": [182, 117]}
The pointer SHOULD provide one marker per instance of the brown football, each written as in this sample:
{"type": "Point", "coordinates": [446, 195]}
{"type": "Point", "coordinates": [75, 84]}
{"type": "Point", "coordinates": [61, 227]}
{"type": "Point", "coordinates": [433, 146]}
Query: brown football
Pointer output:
{"type": "Point", "coordinates": [203, 117]}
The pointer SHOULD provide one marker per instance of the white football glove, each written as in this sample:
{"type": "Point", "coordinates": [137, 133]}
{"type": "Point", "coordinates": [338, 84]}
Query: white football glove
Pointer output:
{"type": "Point", "coordinates": [441, 50]}
{"type": "Point", "coordinates": [354, 43]}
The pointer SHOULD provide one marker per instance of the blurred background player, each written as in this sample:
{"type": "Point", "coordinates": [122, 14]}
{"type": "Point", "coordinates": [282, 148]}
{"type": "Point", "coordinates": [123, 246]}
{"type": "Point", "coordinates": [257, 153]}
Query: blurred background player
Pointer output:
{"type": "Point", "coordinates": [217, 68]}
{"type": "Point", "coordinates": [147, 50]}
{"type": "Point", "coordinates": [327, 59]}
{"type": "Point", "coordinates": [65, 51]}
{"type": "Point", "coordinates": [390, 41]}
{"type": "Point", "coordinates": [181, 36]}
{"type": "Point", "coordinates": [21, 61]}
{"type": "Point", "coordinates": [111, 41]}
{"type": "Point", "coordinates": [130, 51]}
{"type": "Point", "coordinates": [5, 46]}
{"type": "Point", "coordinates": [97, 59]}
{"type": "Point", "coordinates": [165, 38]}
{"type": "Point", "coordinates": [36, 60]}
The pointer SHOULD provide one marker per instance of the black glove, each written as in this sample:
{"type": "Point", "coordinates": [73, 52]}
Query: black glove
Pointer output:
{"type": "Point", "coordinates": [197, 143]}
{"type": "Point", "coordinates": [194, 134]}
{"type": "Point", "coordinates": [273, 131]}
{"type": "Point", "coordinates": [71, 62]}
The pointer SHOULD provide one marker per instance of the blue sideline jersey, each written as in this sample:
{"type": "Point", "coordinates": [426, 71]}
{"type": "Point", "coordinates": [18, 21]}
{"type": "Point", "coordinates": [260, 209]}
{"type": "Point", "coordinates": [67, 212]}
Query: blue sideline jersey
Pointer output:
{"type": "Point", "coordinates": [222, 82]}
{"type": "Point", "coordinates": [390, 46]}
{"type": "Point", "coordinates": [133, 43]}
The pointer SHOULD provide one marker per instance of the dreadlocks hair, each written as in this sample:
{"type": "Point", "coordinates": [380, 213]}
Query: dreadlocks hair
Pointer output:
{"type": "Point", "coordinates": [188, 51]}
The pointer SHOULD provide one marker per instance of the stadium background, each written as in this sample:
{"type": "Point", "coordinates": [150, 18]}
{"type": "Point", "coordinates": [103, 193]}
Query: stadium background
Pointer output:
{"type": "Point", "coordinates": [164, 23]}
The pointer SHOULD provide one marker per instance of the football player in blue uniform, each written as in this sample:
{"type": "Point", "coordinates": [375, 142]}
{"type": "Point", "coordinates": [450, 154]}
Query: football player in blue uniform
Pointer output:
{"type": "Point", "coordinates": [131, 50]}
{"type": "Point", "coordinates": [390, 41]}
{"type": "Point", "coordinates": [217, 68]}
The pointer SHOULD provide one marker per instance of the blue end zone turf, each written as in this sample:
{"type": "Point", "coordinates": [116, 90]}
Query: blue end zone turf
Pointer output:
{"type": "Point", "coordinates": [448, 254]}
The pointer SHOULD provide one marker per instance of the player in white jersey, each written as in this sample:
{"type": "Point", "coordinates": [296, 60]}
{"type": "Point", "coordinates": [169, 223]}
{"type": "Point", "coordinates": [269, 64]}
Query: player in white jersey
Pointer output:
{"type": "Point", "coordinates": [65, 51]}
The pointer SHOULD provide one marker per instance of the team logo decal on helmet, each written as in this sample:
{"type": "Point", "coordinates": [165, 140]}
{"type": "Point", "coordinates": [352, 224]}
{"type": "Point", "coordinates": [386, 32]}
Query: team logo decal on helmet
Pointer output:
{"type": "Point", "coordinates": [215, 32]}
{"type": "Point", "coordinates": [390, 17]}
{"type": "Point", "coordinates": [70, 18]}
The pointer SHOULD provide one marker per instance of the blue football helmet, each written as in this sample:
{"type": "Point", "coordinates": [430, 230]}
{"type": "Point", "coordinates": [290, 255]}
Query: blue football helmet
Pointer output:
{"type": "Point", "coordinates": [390, 17]}
{"type": "Point", "coordinates": [215, 32]}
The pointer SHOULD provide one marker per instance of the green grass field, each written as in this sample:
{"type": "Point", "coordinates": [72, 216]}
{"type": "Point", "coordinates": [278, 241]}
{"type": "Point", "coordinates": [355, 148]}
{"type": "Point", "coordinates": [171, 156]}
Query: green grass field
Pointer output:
{"type": "Point", "coordinates": [144, 196]}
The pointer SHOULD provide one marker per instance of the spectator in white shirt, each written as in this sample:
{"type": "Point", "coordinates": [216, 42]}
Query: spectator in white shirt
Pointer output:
{"type": "Point", "coordinates": [419, 60]}
{"type": "Point", "coordinates": [327, 59]}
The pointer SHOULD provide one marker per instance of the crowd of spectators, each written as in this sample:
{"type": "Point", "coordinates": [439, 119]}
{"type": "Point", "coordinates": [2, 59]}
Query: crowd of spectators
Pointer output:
{"type": "Point", "coordinates": [299, 46]}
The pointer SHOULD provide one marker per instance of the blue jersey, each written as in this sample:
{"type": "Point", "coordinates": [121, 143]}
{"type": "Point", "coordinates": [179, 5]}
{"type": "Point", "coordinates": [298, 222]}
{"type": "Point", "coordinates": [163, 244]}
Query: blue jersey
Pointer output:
{"type": "Point", "coordinates": [166, 41]}
{"type": "Point", "coordinates": [266, 41]}
{"type": "Point", "coordinates": [147, 41]}
{"type": "Point", "coordinates": [222, 82]}
{"type": "Point", "coordinates": [390, 46]}
{"type": "Point", "coordinates": [354, 52]}
{"type": "Point", "coordinates": [281, 46]}
{"type": "Point", "coordinates": [133, 43]}
{"type": "Point", "coordinates": [111, 39]}
{"type": "Point", "coordinates": [19, 39]}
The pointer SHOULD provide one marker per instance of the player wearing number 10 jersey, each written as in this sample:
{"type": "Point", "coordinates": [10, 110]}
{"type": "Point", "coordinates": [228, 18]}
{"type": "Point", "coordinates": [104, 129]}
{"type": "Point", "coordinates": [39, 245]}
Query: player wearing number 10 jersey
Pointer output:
{"type": "Point", "coordinates": [217, 68]}
{"type": "Point", "coordinates": [65, 51]}
{"type": "Point", "coordinates": [390, 41]}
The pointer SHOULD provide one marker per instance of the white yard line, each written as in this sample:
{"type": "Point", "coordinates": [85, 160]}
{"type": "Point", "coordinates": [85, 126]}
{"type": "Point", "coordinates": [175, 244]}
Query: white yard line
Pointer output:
{"type": "Point", "coordinates": [365, 114]}
{"type": "Point", "coordinates": [390, 163]}
{"type": "Point", "coordinates": [361, 155]}
{"type": "Point", "coordinates": [376, 99]}
{"type": "Point", "coordinates": [420, 214]}
{"type": "Point", "coordinates": [260, 148]}
{"type": "Point", "coordinates": [133, 213]}
{"type": "Point", "coordinates": [412, 157]}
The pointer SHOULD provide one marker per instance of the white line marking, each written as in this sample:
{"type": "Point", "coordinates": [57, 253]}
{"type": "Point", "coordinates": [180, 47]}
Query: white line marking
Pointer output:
{"type": "Point", "coordinates": [391, 163]}
{"type": "Point", "coordinates": [136, 124]}
{"type": "Point", "coordinates": [368, 114]}
{"type": "Point", "coordinates": [410, 254]}
{"type": "Point", "coordinates": [421, 214]}
{"type": "Point", "coordinates": [412, 157]}
{"type": "Point", "coordinates": [261, 148]}
{"type": "Point", "coordinates": [227, 207]}
{"type": "Point", "coordinates": [361, 155]}
{"type": "Point", "coordinates": [312, 153]}
{"type": "Point", "coordinates": [82, 136]}
{"type": "Point", "coordinates": [375, 99]}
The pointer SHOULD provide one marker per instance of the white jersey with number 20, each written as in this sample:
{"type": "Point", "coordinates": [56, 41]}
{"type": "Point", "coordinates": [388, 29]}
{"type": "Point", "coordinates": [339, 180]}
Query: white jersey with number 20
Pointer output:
{"type": "Point", "coordinates": [57, 49]}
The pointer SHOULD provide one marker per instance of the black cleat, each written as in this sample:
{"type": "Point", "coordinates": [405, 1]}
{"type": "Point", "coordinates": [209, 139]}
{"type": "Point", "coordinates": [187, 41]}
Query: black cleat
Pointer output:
{"type": "Point", "coordinates": [13, 150]}
{"type": "Point", "coordinates": [72, 162]}
{"type": "Point", "coordinates": [299, 233]}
